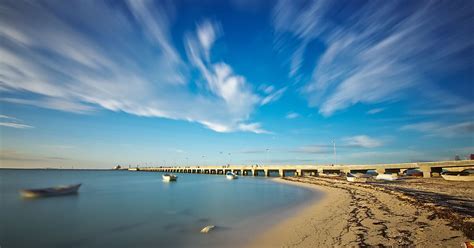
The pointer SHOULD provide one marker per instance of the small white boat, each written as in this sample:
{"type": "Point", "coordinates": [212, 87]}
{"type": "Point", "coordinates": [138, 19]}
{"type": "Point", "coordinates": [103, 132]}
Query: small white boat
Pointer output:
{"type": "Point", "coordinates": [463, 176]}
{"type": "Point", "coordinates": [169, 177]}
{"type": "Point", "coordinates": [207, 229]}
{"type": "Point", "coordinates": [53, 191]}
{"type": "Point", "coordinates": [387, 177]}
{"type": "Point", "coordinates": [357, 178]}
{"type": "Point", "coordinates": [231, 175]}
{"type": "Point", "coordinates": [361, 175]}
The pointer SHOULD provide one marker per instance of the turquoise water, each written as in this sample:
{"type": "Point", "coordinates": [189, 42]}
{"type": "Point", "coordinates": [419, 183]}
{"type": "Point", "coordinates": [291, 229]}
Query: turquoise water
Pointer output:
{"type": "Point", "coordinates": [138, 209]}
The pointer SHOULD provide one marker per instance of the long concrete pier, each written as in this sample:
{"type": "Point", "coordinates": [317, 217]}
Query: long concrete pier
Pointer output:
{"type": "Point", "coordinates": [429, 169]}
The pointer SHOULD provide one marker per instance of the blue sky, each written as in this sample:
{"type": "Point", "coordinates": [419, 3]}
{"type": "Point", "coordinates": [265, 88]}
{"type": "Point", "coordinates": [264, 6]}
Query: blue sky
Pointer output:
{"type": "Point", "coordinates": [92, 84]}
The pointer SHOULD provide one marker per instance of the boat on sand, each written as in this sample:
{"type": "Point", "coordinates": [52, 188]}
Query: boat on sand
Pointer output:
{"type": "Point", "coordinates": [463, 176]}
{"type": "Point", "coordinates": [52, 191]}
{"type": "Point", "coordinates": [330, 175]}
{"type": "Point", "coordinates": [169, 177]}
{"type": "Point", "coordinates": [357, 178]}
{"type": "Point", "coordinates": [387, 177]}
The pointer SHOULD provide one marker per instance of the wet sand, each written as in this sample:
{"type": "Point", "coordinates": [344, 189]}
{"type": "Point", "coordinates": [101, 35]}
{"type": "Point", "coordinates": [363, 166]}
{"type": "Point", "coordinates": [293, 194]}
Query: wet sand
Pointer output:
{"type": "Point", "coordinates": [410, 212]}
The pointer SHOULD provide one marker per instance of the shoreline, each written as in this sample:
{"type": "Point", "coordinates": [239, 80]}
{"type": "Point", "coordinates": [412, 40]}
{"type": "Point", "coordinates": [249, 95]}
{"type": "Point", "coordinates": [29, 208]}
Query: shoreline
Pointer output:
{"type": "Point", "coordinates": [375, 214]}
{"type": "Point", "coordinates": [293, 231]}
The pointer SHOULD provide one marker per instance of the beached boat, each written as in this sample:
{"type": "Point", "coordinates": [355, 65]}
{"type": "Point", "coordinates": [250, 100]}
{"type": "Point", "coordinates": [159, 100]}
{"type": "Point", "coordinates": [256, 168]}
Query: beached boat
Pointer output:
{"type": "Point", "coordinates": [53, 191]}
{"type": "Point", "coordinates": [357, 178]}
{"type": "Point", "coordinates": [361, 175]}
{"type": "Point", "coordinates": [329, 175]}
{"type": "Point", "coordinates": [388, 177]}
{"type": "Point", "coordinates": [231, 175]}
{"type": "Point", "coordinates": [169, 177]}
{"type": "Point", "coordinates": [464, 176]}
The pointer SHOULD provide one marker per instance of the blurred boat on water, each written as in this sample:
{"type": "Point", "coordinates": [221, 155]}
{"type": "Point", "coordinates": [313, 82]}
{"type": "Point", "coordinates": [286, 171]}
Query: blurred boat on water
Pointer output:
{"type": "Point", "coordinates": [169, 177]}
{"type": "Point", "coordinates": [231, 175]}
{"type": "Point", "coordinates": [52, 191]}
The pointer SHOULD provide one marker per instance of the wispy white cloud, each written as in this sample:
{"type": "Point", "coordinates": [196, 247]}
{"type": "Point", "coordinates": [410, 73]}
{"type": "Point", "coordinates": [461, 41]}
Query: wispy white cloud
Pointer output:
{"type": "Point", "coordinates": [301, 19]}
{"type": "Point", "coordinates": [13, 122]}
{"type": "Point", "coordinates": [292, 115]}
{"type": "Point", "coordinates": [270, 93]}
{"type": "Point", "coordinates": [267, 89]}
{"type": "Point", "coordinates": [13, 155]}
{"type": "Point", "coordinates": [7, 117]}
{"type": "Point", "coordinates": [54, 103]}
{"type": "Point", "coordinates": [375, 111]}
{"type": "Point", "coordinates": [377, 53]}
{"type": "Point", "coordinates": [273, 96]}
{"type": "Point", "coordinates": [253, 127]}
{"type": "Point", "coordinates": [156, 23]}
{"type": "Point", "coordinates": [122, 68]}
{"type": "Point", "coordinates": [232, 89]}
{"type": "Point", "coordinates": [363, 141]}
{"type": "Point", "coordinates": [462, 108]}
{"type": "Point", "coordinates": [207, 34]}
{"type": "Point", "coordinates": [15, 125]}
{"type": "Point", "coordinates": [440, 129]}
{"type": "Point", "coordinates": [314, 149]}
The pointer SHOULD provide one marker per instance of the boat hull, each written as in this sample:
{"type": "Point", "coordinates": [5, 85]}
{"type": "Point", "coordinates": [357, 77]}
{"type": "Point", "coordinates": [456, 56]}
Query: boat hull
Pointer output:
{"type": "Point", "coordinates": [357, 179]}
{"type": "Point", "coordinates": [231, 176]}
{"type": "Point", "coordinates": [49, 192]}
{"type": "Point", "coordinates": [169, 178]}
{"type": "Point", "coordinates": [387, 177]}
{"type": "Point", "coordinates": [459, 178]}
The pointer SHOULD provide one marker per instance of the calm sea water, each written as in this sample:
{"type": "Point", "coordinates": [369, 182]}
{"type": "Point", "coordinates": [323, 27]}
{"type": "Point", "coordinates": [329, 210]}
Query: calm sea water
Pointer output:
{"type": "Point", "coordinates": [138, 209]}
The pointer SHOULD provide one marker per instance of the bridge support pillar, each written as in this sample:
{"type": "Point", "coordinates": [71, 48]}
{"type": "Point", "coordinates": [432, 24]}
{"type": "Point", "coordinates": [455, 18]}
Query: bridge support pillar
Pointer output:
{"type": "Point", "coordinates": [281, 172]}
{"type": "Point", "coordinates": [266, 172]}
{"type": "Point", "coordinates": [380, 170]}
{"type": "Point", "coordinates": [298, 173]}
{"type": "Point", "coordinates": [426, 171]}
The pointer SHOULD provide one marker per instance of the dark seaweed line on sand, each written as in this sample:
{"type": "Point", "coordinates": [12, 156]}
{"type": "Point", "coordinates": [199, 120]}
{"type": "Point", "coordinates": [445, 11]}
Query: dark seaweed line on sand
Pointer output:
{"type": "Point", "coordinates": [456, 216]}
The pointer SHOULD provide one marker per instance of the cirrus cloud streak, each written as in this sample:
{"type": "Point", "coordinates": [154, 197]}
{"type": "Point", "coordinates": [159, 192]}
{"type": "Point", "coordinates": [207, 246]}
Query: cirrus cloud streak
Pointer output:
{"type": "Point", "coordinates": [122, 68]}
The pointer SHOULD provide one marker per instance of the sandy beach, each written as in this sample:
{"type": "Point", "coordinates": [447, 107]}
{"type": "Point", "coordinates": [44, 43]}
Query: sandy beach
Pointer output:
{"type": "Point", "coordinates": [410, 212]}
